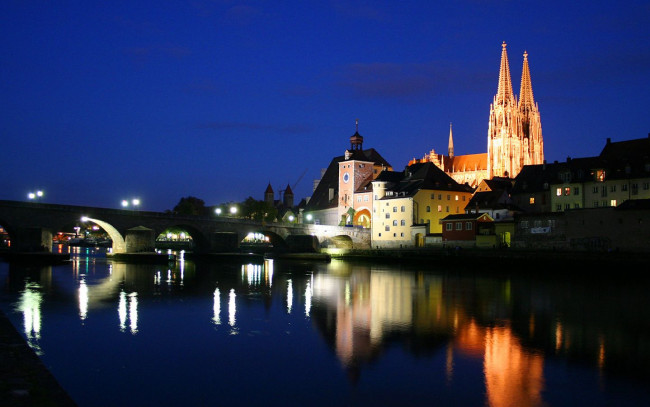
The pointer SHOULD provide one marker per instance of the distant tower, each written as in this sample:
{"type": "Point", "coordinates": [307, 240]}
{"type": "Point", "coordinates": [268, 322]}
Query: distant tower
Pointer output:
{"type": "Point", "coordinates": [504, 145]}
{"type": "Point", "coordinates": [268, 195]}
{"type": "Point", "coordinates": [356, 141]}
{"type": "Point", "coordinates": [451, 143]}
{"type": "Point", "coordinates": [514, 129]}
{"type": "Point", "coordinates": [288, 197]}
{"type": "Point", "coordinates": [531, 124]}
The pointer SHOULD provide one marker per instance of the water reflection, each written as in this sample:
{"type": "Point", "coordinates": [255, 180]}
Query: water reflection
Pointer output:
{"type": "Point", "coordinates": [511, 330]}
{"type": "Point", "coordinates": [29, 304]}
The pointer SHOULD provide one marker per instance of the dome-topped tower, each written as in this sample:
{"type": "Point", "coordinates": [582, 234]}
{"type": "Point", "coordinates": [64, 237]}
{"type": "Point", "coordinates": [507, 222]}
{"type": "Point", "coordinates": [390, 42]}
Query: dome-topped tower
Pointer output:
{"type": "Point", "coordinates": [356, 141]}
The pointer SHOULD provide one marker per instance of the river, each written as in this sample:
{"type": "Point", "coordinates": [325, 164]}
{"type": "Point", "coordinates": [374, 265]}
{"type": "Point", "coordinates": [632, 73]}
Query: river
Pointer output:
{"type": "Point", "coordinates": [329, 334]}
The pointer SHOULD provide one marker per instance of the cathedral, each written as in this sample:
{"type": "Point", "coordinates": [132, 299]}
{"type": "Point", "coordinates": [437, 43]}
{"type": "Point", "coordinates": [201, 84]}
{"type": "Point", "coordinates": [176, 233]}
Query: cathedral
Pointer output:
{"type": "Point", "coordinates": [514, 134]}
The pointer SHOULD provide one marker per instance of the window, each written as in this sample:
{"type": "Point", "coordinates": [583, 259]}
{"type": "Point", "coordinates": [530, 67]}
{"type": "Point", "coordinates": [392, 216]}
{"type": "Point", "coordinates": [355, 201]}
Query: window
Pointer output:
{"type": "Point", "coordinates": [464, 198]}
{"type": "Point", "coordinates": [433, 196]}
{"type": "Point", "coordinates": [449, 197]}
{"type": "Point", "coordinates": [567, 191]}
{"type": "Point", "coordinates": [439, 208]}
{"type": "Point", "coordinates": [558, 207]}
{"type": "Point", "coordinates": [449, 226]}
{"type": "Point", "coordinates": [456, 197]}
{"type": "Point", "coordinates": [600, 175]}
{"type": "Point", "coordinates": [635, 189]}
{"type": "Point", "coordinates": [403, 222]}
{"type": "Point", "coordinates": [612, 202]}
{"type": "Point", "coordinates": [387, 215]}
{"type": "Point", "coordinates": [567, 207]}
{"type": "Point", "coordinates": [612, 188]}
{"type": "Point", "coordinates": [468, 225]}
{"type": "Point", "coordinates": [403, 208]}
{"type": "Point", "coordinates": [595, 190]}
{"type": "Point", "coordinates": [447, 208]}
{"type": "Point", "coordinates": [531, 200]}
{"type": "Point", "coordinates": [394, 234]}
{"type": "Point", "coordinates": [428, 208]}
{"type": "Point", "coordinates": [603, 190]}
{"type": "Point", "coordinates": [646, 186]}
{"type": "Point", "coordinates": [380, 234]}
{"type": "Point", "coordinates": [550, 223]}
{"type": "Point", "coordinates": [401, 234]}
{"type": "Point", "coordinates": [576, 190]}
{"type": "Point", "coordinates": [624, 187]}
{"type": "Point", "coordinates": [523, 224]}
{"type": "Point", "coordinates": [365, 198]}
{"type": "Point", "coordinates": [395, 223]}
{"type": "Point", "coordinates": [359, 198]}
{"type": "Point", "coordinates": [576, 205]}
{"type": "Point", "coordinates": [439, 196]}
{"type": "Point", "coordinates": [394, 208]}
{"type": "Point", "coordinates": [595, 204]}
{"type": "Point", "coordinates": [387, 228]}
{"type": "Point", "coordinates": [558, 192]}
{"type": "Point", "coordinates": [459, 225]}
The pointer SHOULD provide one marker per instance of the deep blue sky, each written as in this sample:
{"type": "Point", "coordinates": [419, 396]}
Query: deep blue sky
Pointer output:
{"type": "Point", "coordinates": [101, 101]}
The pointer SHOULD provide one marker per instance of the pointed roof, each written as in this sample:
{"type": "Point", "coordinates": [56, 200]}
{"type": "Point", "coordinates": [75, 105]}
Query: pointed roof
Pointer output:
{"type": "Point", "coordinates": [269, 190]}
{"type": "Point", "coordinates": [504, 91]}
{"type": "Point", "coordinates": [287, 190]}
{"type": "Point", "coordinates": [526, 99]}
{"type": "Point", "coordinates": [451, 143]}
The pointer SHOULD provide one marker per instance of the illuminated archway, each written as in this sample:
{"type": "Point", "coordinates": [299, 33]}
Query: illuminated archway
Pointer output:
{"type": "Point", "coordinates": [362, 218]}
{"type": "Point", "coordinates": [119, 244]}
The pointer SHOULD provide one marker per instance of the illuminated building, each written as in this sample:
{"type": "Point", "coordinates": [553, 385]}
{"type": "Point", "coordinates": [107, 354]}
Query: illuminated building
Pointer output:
{"type": "Point", "coordinates": [514, 134]}
{"type": "Point", "coordinates": [343, 195]}
{"type": "Point", "coordinates": [409, 205]}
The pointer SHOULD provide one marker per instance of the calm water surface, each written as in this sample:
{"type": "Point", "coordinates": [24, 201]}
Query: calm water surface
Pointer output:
{"type": "Point", "coordinates": [330, 334]}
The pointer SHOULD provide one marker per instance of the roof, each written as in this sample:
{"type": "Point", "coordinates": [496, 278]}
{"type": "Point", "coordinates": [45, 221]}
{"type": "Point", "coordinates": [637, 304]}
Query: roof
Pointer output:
{"type": "Point", "coordinates": [417, 177]}
{"type": "Point", "coordinates": [538, 178]}
{"type": "Point", "coordinates": [467, 162]}
{"type": "Point", "coordinates": [330, 180]}
{"type": "Point", "coordinates": [496, 199]}
{"type": "Point", "coordinates": [269, 189]}
{"type": "Point", "coordinates": [468, 216]}
{"type": "Point", "coordinates": [629, 149]}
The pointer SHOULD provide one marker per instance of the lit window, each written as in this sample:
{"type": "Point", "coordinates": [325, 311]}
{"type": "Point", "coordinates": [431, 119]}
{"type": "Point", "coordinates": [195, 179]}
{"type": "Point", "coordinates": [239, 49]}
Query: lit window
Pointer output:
{"type": "Point", "coordinates": [600, 175]}
{"type": "Point", "coordinates": [567, 191]}
{"type": "Point", "coordinates": [456, 197]}
{"type": "Point", "coordinates": [558, 192]}
{"type": "Point", "coordinates": [439, 208]}
{"type": "Point", "coordinates": [531, 200]}
{"type": "Point", "coordinates": [612, 202]}
{"type": "Point", "coordinates": [459, 225]}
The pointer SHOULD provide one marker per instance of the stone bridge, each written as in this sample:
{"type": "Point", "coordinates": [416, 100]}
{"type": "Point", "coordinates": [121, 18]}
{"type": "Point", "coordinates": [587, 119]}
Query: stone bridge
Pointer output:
{"type": "Point", "coordinates": [32, 225]}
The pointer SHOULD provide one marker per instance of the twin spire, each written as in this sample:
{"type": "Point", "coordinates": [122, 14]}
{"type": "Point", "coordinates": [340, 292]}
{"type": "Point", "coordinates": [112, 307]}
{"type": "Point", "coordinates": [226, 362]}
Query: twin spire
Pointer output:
{"type": "Point", "coordinates": [505, 94]}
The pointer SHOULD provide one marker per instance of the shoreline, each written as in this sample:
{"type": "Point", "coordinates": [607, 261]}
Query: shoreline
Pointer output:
{"type": "Point", "coordinates": [24, 379]}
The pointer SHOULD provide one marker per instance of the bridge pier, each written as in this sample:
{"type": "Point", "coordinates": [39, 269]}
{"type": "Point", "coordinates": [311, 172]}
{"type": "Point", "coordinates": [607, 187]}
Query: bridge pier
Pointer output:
{"type": "Point", "coordinates": [139, 239]}
{"type": "Point", "coordinates": [32, 239]}
{"type": "Point", "coordinates": [224, 242]}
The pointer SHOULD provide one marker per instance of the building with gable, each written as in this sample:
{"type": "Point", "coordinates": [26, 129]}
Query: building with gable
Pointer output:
{"type": "Point", "coordinates": [343, 195]}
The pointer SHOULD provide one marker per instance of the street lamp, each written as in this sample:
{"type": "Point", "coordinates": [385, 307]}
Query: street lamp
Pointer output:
{"type": "Point", "coordinates": [217, 211]}
{"type": "Point", "coordinates": [35, 195]}
{"type": "Point", "coordinates": [125, 203]}
{"type": "Point", "coordinates": [233, 210]}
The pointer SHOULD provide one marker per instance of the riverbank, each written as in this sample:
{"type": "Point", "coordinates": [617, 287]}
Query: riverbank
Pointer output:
{"type": "Point", "coordinates": [24, 379]}
{"type": "Point", "coordinates": [511, 259]}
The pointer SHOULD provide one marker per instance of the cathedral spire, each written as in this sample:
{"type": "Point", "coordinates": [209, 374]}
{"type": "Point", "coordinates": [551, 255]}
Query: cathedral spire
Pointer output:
{"type": "Point", "coordinates": [526, 100]}
{"type": "Point", "coordinates": [504, 94]}
{"type": "Point", "coordinates": [451, 143]}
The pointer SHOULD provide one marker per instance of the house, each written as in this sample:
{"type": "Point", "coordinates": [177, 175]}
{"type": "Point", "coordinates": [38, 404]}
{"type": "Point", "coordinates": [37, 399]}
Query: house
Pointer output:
{"type": "Point", "coordinates": [468, 230]}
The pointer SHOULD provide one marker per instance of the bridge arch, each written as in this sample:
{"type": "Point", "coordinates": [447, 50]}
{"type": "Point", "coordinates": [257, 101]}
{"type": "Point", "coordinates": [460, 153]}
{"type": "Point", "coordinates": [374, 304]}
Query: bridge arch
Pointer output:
{"type": "Point", "coordinates": [338, 242]}
{"type": "Point", "coordinates": [119, 244]}
{"type": "Point", "coordinates": [200, 240]}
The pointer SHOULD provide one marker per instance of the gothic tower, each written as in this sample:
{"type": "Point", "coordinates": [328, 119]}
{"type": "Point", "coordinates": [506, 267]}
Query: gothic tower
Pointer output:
{"type": "Point", "coordinates": [450, 148]}
{"type": "Point", "coordinates": [268, 195]}
{"type": "Point", "coordinates": [504, 145]}
{"type": "Point", "coordinates": [531, 125]}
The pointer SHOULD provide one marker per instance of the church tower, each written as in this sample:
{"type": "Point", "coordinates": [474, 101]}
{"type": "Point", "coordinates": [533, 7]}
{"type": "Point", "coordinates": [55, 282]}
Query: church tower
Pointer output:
{"type": "Point", "coordinates": [451, 144]}
{"type": "Point", "coordinates": [531, 125]}
{"type": "Point", "coordinates": [504, 145]}
{"type": "Point", "coordinates": [268, 195]}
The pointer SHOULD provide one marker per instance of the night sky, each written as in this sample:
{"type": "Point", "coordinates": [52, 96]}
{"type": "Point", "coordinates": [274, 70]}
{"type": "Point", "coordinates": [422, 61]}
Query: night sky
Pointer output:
{"type": "Point", "coordinates": [101, 101]}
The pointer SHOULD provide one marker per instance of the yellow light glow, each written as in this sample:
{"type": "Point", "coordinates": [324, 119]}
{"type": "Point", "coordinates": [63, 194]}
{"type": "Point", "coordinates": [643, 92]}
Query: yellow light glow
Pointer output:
{"type": "Point", "coordinates": [216, 307]}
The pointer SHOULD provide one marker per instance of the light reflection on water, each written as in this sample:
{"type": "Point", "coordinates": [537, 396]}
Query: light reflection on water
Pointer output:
{"type": "Point", "coordinates": [461, 339]}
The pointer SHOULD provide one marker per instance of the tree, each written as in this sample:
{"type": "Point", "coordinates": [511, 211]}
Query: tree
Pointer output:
{"type": "Point", "coordinates": [258, 210]}
{"type": "Point", "coordinates": [190, 206]}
